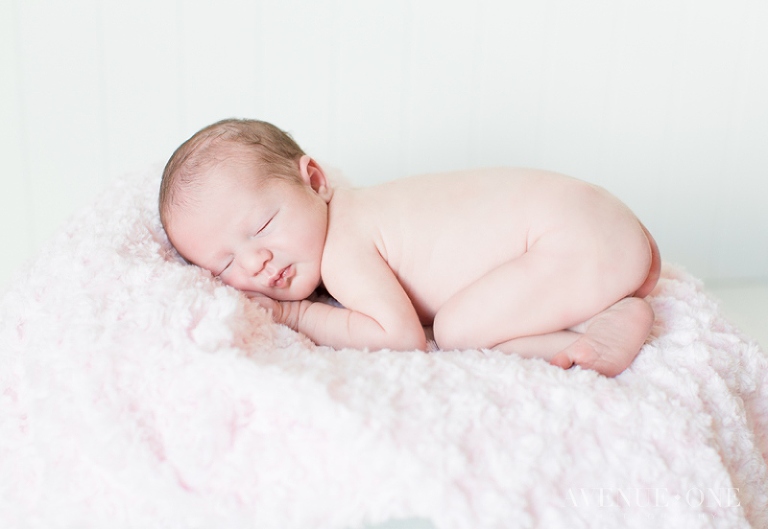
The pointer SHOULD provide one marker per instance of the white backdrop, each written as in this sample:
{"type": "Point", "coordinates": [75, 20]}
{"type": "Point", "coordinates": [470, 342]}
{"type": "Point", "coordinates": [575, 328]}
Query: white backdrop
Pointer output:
{"type": "Point", "coordinates": [660, 101]}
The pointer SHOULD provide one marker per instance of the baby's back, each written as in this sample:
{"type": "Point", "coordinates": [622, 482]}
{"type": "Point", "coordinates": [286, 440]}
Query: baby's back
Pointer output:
{"type": "Point", "coordinates": [441, 232]}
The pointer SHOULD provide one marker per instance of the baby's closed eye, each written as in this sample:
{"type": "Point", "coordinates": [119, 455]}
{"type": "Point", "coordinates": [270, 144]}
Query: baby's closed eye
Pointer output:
{"type": "Point", "coordinates": [224, 269]}
{"type": "Point", "coordinates": [264, 227]}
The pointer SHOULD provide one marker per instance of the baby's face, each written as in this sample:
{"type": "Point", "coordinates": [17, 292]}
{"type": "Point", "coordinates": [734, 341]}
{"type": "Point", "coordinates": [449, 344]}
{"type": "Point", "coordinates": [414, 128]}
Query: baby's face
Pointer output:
{"type": "Point", "coordinates": [266, 238]}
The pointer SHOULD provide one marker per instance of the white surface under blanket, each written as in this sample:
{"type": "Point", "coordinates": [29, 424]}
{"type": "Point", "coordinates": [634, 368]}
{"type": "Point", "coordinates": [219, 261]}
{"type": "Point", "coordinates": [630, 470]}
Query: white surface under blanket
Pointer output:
{"type": "Point", "coordinates": [136, 391]}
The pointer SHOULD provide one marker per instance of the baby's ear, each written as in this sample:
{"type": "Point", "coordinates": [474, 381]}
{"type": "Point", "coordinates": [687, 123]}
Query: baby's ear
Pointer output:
{"type": "Point", "coordinates": [314, 176]}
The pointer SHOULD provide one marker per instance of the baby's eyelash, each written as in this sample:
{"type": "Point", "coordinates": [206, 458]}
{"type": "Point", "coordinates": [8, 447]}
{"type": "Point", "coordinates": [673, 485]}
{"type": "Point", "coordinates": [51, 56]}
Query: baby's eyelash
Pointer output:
{"type": "Point", "coordinates": [265, 225]}
{"type": "Point", "coordinates": [222, 270]}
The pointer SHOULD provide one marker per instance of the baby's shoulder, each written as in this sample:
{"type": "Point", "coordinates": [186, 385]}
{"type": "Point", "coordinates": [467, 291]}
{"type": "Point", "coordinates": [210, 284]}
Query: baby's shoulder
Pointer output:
{"type": "Point", "coordinates": [352, 249]}
{"type": "Point", "coordinates": [351, 225]}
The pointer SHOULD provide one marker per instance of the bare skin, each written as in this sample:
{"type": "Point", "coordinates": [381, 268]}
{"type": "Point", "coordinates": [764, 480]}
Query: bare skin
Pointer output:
{"type": "Point", "coordinates": [521, 260]}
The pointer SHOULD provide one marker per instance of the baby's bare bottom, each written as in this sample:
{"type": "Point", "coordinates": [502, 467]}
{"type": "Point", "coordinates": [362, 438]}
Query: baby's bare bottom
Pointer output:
{"type": "Point", "coordinates": [545, 305]}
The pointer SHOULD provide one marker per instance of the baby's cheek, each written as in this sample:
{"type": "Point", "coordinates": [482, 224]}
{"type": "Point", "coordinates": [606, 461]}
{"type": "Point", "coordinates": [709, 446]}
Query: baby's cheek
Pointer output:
{"type": "Point", "coordinates": [306, 287]}
{"type": "Point", "coordinates": [233, 281]}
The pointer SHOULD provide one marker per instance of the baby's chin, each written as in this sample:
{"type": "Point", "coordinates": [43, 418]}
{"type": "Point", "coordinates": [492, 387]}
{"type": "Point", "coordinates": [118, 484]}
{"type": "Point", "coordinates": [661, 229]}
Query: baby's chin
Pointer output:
{"type": "Point", "coordinates": [294, 293]}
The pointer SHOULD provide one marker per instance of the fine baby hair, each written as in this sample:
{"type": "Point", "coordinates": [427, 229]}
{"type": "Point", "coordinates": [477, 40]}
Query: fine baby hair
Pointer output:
{"type": "Point", "coordinates": [268, 147]}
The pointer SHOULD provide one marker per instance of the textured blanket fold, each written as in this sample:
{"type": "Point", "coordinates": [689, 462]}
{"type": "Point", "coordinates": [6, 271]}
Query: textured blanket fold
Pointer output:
{"type": "Point", "coordinates": [137, 391]}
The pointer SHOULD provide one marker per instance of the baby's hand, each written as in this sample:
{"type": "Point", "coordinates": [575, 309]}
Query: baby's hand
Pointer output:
{"type": "Point", "coordinates": [272, 305]}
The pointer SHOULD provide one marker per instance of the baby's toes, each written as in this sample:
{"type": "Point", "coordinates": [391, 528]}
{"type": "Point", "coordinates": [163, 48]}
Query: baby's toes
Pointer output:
{"type": "Point", "coordinates": [562, 359]}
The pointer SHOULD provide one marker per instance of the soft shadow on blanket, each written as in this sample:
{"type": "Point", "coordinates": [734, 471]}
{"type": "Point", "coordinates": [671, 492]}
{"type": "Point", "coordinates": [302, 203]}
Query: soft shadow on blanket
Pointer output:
{"type": "Point", "coordinates": [136, 391]}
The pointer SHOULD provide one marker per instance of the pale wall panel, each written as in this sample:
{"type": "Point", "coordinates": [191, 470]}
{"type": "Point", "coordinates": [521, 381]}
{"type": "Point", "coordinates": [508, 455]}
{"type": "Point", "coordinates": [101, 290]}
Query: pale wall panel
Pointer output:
{"type": "Point", "coordinates": [578, 41]}
{"type": "Point", "coordinates": [741, 229]}
{"type": "Point", "coordinates": [510, 65]}
{"type": "Point", "coordinates": [443, 46]}
{"type": "Point", "coordinates": [219, 60]}
{"type": "Point", "coordinates": [638, 102]}
{"type": "Point", "coordinates": [699, 111]}
{"type": "Point", "coordinates": [61, 106]}
{"type": "Point", "coordinates": [15, 231]}
{"type": "Point", "coordinates": [367, 100]}
{"type": "Point", "coordinates": [140, 82]}
{"type": "Point", "coordinates": [297, 73]}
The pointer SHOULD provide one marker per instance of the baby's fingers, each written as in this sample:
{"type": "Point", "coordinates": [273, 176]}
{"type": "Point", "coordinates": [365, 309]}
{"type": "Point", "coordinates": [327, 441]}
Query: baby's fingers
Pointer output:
{"type": "Point", "coordinates": [264, 301]}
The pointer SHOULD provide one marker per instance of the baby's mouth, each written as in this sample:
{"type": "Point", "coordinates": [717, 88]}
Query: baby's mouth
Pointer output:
{"type": "Point", "coordinates": [282, 278]}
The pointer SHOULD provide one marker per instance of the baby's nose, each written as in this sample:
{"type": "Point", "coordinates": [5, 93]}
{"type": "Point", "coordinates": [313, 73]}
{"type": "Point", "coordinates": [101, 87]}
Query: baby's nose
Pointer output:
{"type": "Point", "coordinates": [255, 261]}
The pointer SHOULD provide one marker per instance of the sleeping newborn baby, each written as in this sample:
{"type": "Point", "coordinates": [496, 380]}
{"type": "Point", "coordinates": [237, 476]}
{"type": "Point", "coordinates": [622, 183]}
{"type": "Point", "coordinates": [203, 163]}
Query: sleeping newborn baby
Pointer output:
{"type": "Point", "coordinates": [520, 260]}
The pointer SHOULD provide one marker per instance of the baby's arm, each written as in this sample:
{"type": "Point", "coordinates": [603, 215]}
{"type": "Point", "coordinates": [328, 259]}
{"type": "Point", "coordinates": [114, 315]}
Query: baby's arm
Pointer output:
{"type": "Point", "coordinates": [379, 315]}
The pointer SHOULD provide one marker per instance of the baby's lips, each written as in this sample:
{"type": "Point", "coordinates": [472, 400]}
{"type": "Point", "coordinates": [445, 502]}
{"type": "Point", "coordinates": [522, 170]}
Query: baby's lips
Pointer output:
{"type": "Point", "coordinates": [282, 278]}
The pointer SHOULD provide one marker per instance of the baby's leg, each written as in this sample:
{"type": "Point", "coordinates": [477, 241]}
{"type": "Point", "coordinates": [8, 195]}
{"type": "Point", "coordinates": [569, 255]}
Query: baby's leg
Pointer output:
{"type": "Point", "coordinates": [526, 305]}
{"type": "Point", "coordinates": [544, 346]}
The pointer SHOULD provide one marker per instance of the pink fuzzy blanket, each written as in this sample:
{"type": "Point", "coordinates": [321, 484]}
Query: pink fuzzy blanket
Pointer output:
{"type": "Point", "coordinates": [135, 391]}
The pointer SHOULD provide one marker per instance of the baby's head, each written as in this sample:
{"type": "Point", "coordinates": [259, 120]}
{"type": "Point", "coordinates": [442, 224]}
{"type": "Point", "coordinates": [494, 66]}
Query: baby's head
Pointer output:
{"type": "Point", "coordinates": [267, 147]}
{"type": "Point", "coordinates": [242, 199]}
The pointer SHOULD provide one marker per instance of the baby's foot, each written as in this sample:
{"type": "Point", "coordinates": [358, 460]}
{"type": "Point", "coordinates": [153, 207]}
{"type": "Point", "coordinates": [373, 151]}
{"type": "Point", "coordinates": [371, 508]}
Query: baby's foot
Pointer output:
{"type": "Point", "coordinates": [611, 339]}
